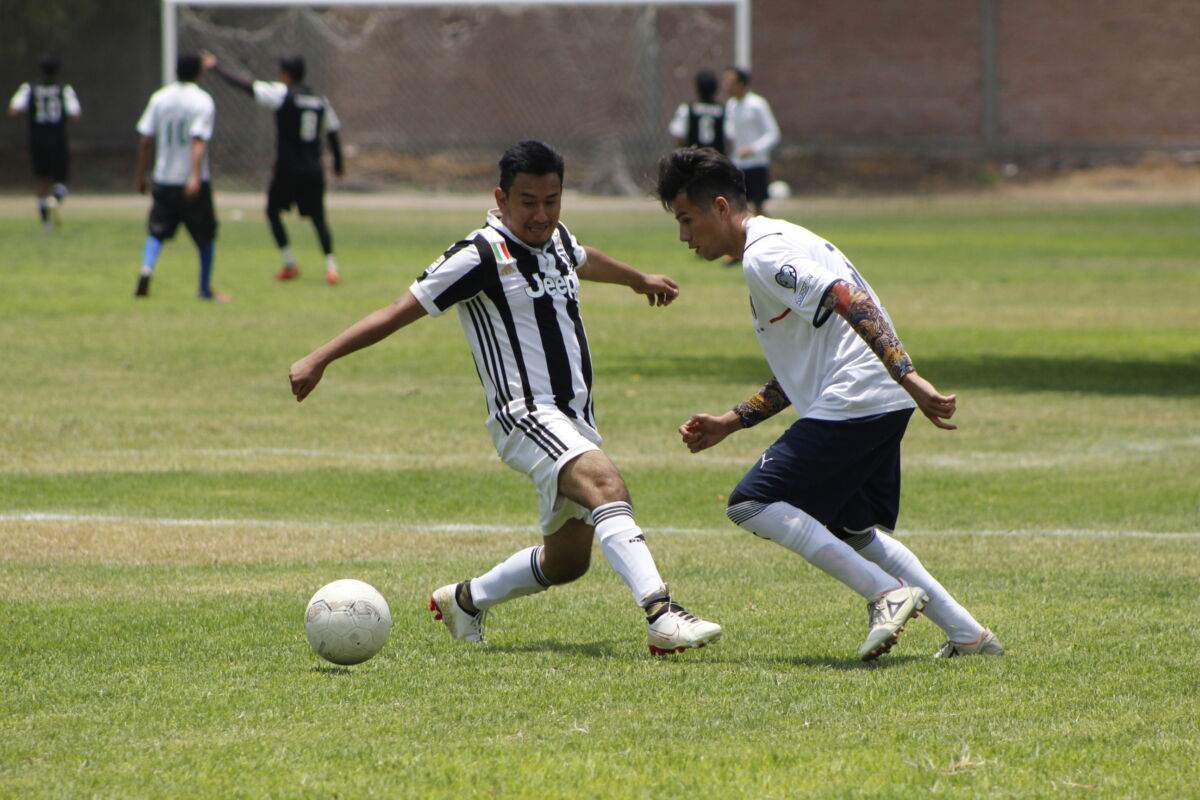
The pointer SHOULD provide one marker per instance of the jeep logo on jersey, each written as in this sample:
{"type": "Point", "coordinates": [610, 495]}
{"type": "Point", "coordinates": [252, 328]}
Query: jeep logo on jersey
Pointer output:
{"type": "Point", "coordinates": [559, 286]}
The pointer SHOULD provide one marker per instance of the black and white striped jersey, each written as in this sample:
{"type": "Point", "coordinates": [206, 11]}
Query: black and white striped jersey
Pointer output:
{"type": "Point", "coordinates": [519, 307]}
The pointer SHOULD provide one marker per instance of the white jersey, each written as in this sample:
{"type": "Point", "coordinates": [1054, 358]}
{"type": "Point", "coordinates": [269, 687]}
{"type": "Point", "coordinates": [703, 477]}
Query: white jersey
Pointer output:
{"type": "Point", "coordinates": [519, 307]}
{"type": "Point", "coordinates": [176, 114]}
{"type": "Point", "coordinates": [750, 123]}
{"type": "Point", "coordinates": [823, 365]}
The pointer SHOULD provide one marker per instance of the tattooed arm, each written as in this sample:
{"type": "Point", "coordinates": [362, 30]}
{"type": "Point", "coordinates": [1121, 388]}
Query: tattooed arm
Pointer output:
{"type": "Point", "coordinates": [703, 431]}
{"type": "Point", "coordinates": [857, 307]}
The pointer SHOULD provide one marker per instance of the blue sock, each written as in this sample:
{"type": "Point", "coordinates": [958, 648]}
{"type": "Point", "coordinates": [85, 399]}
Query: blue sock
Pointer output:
{"type": "Point", "coordinates": [150, 253]}
{"type": "Point", "coordinates": [206, 265]}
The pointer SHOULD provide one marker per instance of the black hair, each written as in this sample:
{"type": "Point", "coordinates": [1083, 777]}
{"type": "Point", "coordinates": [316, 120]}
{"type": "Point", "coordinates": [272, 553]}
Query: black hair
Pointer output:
{"type": "Point", "coordinates": [49, 66]}
{"type": "Point", "coordinates": [706, 85]}
{"type": "Point", "coordinates": [187, 67]}
{"type": "Point", "coordinates": [743, 75]}
{"type": "Point", "coordinates": [293, 66]}
{"type": "Point", "coordinates": [531, 157]}
{"type": "Point", "coordinates": [703, 175]}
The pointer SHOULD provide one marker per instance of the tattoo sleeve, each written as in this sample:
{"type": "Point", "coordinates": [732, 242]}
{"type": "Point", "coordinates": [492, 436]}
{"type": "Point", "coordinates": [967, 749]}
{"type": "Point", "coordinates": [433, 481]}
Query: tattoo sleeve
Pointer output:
{"type": "Point", "coordinates": [868, 320]}
{"type": "Point", "coordinates": [767, 402]}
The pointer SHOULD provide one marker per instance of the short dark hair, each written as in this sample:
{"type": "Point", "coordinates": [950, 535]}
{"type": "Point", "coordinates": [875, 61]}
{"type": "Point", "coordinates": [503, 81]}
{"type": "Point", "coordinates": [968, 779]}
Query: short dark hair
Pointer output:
{"type": "Point", "coordinates": [742, 74]}
{"type": "Point", "coordinates": [706, 85]}
{"type": "Point", "coordinates": [531, 157]}
{"type": "Point", "coordinates": [187, 67]}
{"type": "Point", "coordinates": [293, 66]}
{"type": "Point", "coordinates": [49, 66]}
{"type": "Point", "coordinates": [703, 175]}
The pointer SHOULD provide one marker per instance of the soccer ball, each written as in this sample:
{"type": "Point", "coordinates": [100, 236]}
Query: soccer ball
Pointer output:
{"type": "Point", "coordinates": [347, 621]}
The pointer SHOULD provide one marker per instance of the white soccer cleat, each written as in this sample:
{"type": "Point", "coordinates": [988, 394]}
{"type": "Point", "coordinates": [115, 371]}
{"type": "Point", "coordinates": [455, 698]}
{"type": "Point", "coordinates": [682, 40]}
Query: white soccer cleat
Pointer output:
{"type": "Point", "coordinates": [671, 629]}
{"type": "Point", "coordinates": [462, 624]}
{"type": "Point", "coordinates": [886, 618]}
{"type": "Point", "coordinates": [986, 645]}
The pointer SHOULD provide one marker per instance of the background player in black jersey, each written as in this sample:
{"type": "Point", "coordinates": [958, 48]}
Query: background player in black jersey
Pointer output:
{"type": "Point", "coordinates": [299, 176]}
{"type": "Point", "coordinates": [701, 123]}
{"type": "Point", "coordinates": [48, 105]}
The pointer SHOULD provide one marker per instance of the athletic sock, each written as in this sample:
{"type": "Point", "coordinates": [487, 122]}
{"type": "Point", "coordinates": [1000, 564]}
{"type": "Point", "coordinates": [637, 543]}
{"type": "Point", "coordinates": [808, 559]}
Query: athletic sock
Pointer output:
{"type": "Point", "coordinates": [802, 534]}
{"type": "Point", "coordinates": [517, 576]}
{"type": "Point", "coordinates": [945, 612]}
{"type": "Point", "coordinates": [206, 265]}
{"type": "Point", "coordinates": [150, 251]}
{"type": "Point", "coordinates": [625, 548]}
{"type": "Point", "coordinates": [44, 210]}
{"type": "Point", "coordinates": [289, 258]}
{"type": "Point", "coordinates": [330, 263]}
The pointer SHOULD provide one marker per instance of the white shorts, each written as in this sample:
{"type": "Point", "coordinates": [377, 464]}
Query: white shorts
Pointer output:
{"type": "Point", "coordinates": [539, 445]}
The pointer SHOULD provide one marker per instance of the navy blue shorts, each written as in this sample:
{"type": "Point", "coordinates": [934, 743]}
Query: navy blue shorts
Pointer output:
{"type": "Point", "coordinates": [844, 473]}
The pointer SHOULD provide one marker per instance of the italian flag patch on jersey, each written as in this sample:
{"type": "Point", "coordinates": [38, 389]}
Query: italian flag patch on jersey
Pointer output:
{"type": "Point", "coordinates": [502, 254]}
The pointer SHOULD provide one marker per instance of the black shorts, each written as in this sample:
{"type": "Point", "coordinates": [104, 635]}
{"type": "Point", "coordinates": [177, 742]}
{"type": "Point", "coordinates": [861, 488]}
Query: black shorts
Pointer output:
{"type": "Point", "coordinates": [845, 473]}
{"type": "Point", "coordinates": [757, 179]}
{"type": "Point", "coordinates": [171, 207]}
{"type": "Point", "coordinates": [306, 192]}
{"type": "Point", "coordinates": [50, 161]}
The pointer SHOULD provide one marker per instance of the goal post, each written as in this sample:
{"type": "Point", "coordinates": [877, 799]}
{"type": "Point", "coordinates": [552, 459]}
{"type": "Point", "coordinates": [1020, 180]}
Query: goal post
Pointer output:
{"type": "Point", "coordinates": [427, 90]}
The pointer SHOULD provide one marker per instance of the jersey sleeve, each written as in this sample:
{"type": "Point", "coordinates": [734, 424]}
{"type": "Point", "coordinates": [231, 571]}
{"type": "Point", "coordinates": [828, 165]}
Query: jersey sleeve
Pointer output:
{"type": "Point", "coordinates": [332, 123]}
{"type": "Point", "coordinates": [71, 100]}
{"type": "Point", "coordinates": [679, 123]}
{"type": "Point", "coordinates": [147, 124]}
{"type": "Point", "coordinates": [20, 99]}
{"type": "Point", "coordinates": [797, 282]}
{"type": "Point", "coordinates": [202, 123]}
{"type": "Point", "coordinates": [459, 274]}
{"type": "Point", "coordinates": [269, 94]}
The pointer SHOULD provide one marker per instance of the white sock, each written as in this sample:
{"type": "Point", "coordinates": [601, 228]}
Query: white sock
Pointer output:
{"type": "Point", "coordinates": [799, 532]}
{"type": "Point", "coordinates": [330, 263]}
{"type": "Point", "coordinates": [625, 548]}
{"type": "Point", "coordinates": [945, 612]}
{"type": "Point", "coordinates": [517, 576]}
{"type": "Point", "coordinates": [289, 258]}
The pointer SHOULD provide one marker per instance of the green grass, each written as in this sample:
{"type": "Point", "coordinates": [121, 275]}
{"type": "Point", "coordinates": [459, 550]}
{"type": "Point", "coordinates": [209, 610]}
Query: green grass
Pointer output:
{"type": "Point", "coordinates": [168, 509]}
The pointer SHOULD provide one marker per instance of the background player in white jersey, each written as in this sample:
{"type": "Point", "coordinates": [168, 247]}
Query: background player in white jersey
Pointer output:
{"type": "Point", "coordinates": [299, 176]}
{"type": "Point", "coordinates": [177, 126]}
{"type": "Point", "coordinates": [700, 123]}
{"type": "Point", "coordinates": [752, 133]}
{"type": "Point", "coordinates": [48, 104]}
{"type": "Point", "coordinates": [516, 284]}
{"type": "Point", "coordinates": [829, 487]}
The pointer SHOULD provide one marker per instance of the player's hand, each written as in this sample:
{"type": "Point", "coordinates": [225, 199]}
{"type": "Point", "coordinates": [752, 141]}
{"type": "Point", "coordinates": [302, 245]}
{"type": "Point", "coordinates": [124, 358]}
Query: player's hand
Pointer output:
{"type": "Point", "coordinates": [305, 374]}
{"type": "Point", "coordinates": [207, 59]}
{"type": "Point", "coordinates": [659, 290]}
{"type": "Point", "coordinates": [937, 407]}
{"type": "Point", "coordinates": [702, 431]}
{"type": "Point", "coordinates": [142, 184]}
{"type": "Point", "coordinates": [745, 152]}
{"type": "Point", "coordinates": [192, 187]}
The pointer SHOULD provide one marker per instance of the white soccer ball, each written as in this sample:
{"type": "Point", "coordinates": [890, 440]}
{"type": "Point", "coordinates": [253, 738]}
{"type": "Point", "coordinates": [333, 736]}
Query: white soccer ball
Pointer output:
{"type": "Point", "coordinates": [779, 190]}
{"type": "Point", "coordinates": [347, 621]}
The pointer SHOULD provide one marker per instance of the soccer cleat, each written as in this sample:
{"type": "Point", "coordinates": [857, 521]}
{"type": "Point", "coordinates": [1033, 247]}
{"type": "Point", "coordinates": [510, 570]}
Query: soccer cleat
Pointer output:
{"type": "Point", "coordinates": [332, 277]}
{"type": "Point", "coordinates": [887, 616]}
{"type": "Point", "coordinates": [214, 295]}
{"type": "Point", "coordinates": [986, 645]}
{"type": "Point", "coordinates": [143, 287]}
{"type": "Point", "coordinates": [461, 623]}
{"type": "Point", "coordinates": [288, 274]}
{"type": "Point", "coordinates": [671, 629]}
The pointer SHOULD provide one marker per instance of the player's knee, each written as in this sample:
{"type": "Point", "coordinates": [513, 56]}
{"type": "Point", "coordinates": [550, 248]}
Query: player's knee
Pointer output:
{"type": "Point", "coordinates": [740, 509]}
{"type": "Point", "coordinates": [562, 569]}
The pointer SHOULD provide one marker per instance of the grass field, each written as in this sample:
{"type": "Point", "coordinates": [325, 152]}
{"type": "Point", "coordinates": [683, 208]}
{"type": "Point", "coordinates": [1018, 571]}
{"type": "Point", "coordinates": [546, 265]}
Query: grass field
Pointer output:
{"type": "Point", "coordinates": [167, 510]}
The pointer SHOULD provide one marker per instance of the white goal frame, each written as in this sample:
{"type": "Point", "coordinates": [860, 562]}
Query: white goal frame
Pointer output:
{"type": "Point", "coordinates": [170, 49]}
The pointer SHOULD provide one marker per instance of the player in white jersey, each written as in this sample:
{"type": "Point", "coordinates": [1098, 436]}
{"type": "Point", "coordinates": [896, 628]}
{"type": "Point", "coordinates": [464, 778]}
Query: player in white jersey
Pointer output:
{"type": "Point", "coordinates": [516, 283]}
{"type": "Point", "coordinates": [752, 133]}
{"type": "Point", "coordinates": [828, 488]}
{"type": "Point", "coordinates": [177, 126]}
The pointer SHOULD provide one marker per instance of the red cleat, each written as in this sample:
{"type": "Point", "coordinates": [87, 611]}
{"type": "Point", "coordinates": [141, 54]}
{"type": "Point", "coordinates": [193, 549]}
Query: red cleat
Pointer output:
{"type": "Point", "coordinates": [287, 274]}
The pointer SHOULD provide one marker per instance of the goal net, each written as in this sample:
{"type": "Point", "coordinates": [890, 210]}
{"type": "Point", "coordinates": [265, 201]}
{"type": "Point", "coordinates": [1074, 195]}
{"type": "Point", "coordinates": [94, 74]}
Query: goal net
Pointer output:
{"type": "Point", "coordinates": [429, 95]}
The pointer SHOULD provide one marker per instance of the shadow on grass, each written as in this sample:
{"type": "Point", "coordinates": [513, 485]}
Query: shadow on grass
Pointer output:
{"type": "Point", "coordinates": [1179, 377]}
{"type": "Point", "coordinates": [606, 649]}
{"type": "Point", "coordinates": [333, 671]}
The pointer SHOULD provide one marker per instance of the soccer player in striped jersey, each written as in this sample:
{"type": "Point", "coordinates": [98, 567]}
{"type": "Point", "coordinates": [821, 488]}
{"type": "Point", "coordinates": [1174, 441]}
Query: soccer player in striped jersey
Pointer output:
{"type": "Point", "coordinates": [177, 126]}
{"type": "Point", "coordinates": [516, 284]}
{"type": "Point", "coordinates": [829, 487]}
{"type": "Point", "coordinates": [299, 176]}
{"type": "Point", "coordinates": [48, 104]}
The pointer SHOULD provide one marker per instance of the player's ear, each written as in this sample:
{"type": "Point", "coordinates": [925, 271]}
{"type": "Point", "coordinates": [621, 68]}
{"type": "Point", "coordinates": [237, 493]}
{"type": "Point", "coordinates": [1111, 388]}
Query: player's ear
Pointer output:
{"type": "Point", "coordinates": [721, 206]}
{"type": "Point", "coordinates": [501, 198]}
